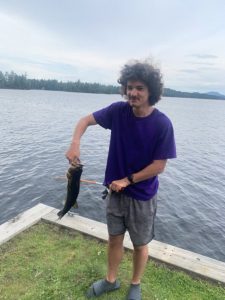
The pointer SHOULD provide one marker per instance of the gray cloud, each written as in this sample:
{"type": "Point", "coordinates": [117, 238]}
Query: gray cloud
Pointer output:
{"type": "Point", "coordinates": [190, 71]}
{"type": "Point", "coordinates": [204, 56]}
{"type": "Point", "coordinates": [201, 63]}
{"type": "Point", "coordinates": [200, 69]}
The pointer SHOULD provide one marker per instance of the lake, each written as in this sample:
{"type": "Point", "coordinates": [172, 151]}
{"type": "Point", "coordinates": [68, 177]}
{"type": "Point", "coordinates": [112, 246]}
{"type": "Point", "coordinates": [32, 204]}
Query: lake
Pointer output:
{"type": "Point", "coordinates": [36, 128]}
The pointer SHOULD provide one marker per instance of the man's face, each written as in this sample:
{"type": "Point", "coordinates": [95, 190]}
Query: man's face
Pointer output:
{"type": "Point", "coordinates": [137, 94]}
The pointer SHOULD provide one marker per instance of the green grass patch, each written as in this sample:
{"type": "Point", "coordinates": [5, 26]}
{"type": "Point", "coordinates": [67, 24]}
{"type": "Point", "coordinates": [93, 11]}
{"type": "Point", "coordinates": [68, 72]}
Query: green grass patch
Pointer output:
{"type": "Point", "coordinates": [50, 262]}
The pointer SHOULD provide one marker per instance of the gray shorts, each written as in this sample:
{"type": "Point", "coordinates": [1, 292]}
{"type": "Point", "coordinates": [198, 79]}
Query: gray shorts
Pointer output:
{"type": "Point", "coordinates": [137, 217]}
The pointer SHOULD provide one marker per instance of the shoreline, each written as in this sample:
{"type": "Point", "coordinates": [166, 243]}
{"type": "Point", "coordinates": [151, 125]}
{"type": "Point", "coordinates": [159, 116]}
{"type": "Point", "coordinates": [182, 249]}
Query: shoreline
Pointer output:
{"type": "Point", "coordinates": [188, 95]}
{"type": "Point", "coordinates": [192, 263]}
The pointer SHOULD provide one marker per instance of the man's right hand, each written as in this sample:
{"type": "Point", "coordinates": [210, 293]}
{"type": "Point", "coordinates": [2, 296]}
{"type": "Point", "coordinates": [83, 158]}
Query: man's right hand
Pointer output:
{"type": "Point", "coordinates": [73, 152]}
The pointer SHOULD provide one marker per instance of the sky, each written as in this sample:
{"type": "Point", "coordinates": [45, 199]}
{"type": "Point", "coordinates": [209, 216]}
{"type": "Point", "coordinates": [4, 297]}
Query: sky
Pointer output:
{"type": "Point", "coordinates": [91, 40]}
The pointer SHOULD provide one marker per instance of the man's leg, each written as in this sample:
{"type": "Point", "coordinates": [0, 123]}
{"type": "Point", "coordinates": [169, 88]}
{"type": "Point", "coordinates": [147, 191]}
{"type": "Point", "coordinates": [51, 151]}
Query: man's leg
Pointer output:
{"type": "Point", "coordinates": [140, 258]}
{"type": "Point", "coordinates": [115, 254]}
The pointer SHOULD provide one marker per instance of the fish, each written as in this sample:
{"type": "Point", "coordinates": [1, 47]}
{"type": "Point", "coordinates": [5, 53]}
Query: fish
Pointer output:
{"type": "Point", "coordinates": [73, 187]}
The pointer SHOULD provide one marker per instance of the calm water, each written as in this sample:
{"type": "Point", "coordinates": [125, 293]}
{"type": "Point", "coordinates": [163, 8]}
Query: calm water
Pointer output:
{"type": "Point", "coordinates": [35, 131]}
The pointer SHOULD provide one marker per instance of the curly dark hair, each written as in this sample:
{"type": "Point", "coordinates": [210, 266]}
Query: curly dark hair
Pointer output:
{"type": "Point", "coordinates": [146, 73]}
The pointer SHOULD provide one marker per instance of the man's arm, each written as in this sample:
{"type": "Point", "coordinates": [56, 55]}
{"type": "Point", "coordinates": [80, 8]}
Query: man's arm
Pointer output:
{"type": "Point", "coordinates": [155, 168]}
{"type": "Point", "coordinates": [74, 149]}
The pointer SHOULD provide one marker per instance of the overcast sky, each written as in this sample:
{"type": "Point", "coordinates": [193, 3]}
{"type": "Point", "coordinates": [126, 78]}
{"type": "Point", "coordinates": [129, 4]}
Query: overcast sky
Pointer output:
{"type": "Point", "coordinates": [90, 40]}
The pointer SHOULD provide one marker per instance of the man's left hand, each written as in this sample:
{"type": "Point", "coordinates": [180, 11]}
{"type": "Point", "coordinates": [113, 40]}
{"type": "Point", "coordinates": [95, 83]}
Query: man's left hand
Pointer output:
{"type": "Point", "coordinates": [119, 185]}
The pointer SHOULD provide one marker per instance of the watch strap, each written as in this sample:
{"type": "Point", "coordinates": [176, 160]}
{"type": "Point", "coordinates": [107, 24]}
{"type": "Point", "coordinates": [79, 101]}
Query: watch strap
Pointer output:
{"type": "Point", "coordinates": [131, 178]}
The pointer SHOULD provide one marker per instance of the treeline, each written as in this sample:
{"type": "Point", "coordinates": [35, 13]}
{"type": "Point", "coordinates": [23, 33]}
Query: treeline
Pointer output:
{"type": "Point", "coordinates": [13, 81]}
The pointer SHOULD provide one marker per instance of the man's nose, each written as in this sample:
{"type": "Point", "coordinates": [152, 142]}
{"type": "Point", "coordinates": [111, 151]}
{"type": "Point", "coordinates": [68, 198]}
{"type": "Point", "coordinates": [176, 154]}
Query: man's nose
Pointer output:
{"type": "Point", "coordinates": [133, 92]}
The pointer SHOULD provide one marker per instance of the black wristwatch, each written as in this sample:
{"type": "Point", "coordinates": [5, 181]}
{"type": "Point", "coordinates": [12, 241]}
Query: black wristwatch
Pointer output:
{"type": "Point", "coordinates": [131, 178]}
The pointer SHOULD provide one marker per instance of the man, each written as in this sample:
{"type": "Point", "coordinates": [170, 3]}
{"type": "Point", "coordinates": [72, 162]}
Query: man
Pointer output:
{"type": "Point", "coordinates": [141, 141]}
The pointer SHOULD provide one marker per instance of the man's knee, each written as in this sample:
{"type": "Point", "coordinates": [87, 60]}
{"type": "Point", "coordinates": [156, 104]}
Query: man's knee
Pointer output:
{"type": "Point", "coordinates": [143, 248]}
{"type": "Point", "coordinates": [116, 240]}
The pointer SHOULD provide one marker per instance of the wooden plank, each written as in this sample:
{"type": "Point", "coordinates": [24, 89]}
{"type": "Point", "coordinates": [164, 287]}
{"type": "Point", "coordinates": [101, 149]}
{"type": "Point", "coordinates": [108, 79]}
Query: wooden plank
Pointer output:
{"type": "Point", "coordinates": [22, 221]}
{"type": "Point", "coordinates": [192, 262]}
{"type": "Point", "coordinates": [84, 225]}
{"type": "Point", "coordinates": [179, 258]}
{"type": "Point", "coordinates": [81, 224]}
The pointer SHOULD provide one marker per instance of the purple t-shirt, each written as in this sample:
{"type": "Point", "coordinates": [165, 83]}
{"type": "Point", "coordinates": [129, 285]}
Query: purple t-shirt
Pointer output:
{"type": "Point", "coordinates": [135, 142]}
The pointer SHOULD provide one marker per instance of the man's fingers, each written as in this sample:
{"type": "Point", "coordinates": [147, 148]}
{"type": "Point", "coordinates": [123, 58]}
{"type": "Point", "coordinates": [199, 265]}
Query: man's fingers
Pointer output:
{"type": "Point", "coordinates": [69, 160]}
{"type": "Point", "coordinates": [115, 187]}
{"type": "Point", "coordinates": [73, 159]}
{"type": "Point", "coordinates": [111, 187]}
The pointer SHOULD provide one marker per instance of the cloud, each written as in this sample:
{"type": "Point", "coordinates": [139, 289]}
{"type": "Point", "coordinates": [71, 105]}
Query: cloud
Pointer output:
{"type": "Point", "coordinates": [190, 71]}
{"type": "Point", "coordinates": [41, 53]}
{"type": "Point", "coordinates": [204, 56]}
{"type": "Point", "coordinates": [201, 69]}
{"type": "Point", "coordinates": [91, 40]}
{"type": "Point", "coordinates": [201, 63]}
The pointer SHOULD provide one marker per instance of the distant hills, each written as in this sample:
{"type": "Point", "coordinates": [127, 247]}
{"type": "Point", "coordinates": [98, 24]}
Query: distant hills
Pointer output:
{"type": "Point", "coordinates": [215, 94]}
{"type": "Point", "coordinates": [13, 81]}
{"type": "Point", "coordinates": [210, 95]}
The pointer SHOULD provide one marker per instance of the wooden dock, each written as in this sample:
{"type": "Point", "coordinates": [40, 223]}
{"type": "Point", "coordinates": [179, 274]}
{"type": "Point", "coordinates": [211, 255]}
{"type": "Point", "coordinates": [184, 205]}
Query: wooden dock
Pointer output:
{"type": "Point", "coordinates": [188, 261]}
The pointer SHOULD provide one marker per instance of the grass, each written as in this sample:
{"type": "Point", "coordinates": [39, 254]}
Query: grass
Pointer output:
{"type": "Point", "coordinates": [50, 262]}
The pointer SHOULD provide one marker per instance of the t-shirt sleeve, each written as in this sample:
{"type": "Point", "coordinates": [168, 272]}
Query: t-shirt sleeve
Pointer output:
{"type": "Point", "coordinates": [104, 116]}
{"type": "Point", "coordinates": [165, 146]}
